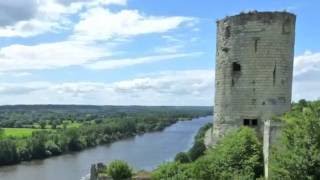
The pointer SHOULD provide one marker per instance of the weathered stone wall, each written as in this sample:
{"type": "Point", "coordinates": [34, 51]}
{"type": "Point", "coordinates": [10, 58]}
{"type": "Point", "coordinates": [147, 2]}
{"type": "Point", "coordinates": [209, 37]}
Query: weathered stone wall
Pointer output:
{"type": "Point", "coordinates": [254, 64]}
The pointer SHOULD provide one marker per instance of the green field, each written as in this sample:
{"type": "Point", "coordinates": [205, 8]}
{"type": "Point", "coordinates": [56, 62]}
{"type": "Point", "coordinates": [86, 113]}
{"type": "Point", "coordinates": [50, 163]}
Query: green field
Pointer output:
{"type": "Point", "coordinates": [19, 132]}
{"type": "Point", "coordinates": [25, 132]}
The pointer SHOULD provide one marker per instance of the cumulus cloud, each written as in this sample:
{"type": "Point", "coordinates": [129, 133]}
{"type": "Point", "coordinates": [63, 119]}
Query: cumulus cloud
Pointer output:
{"type": "Point", "coordinates": [306, 62]}
{"type": "Point", "coordinates": [72, 53]}
{"type": "Point", "coordinates": [13, 89]}
{"type": "Point", "coordinates": [102, 24]}
{"type": "Point", "coordinates": [193, 87]}
{"type": "Point", "coordinates": [191, 82]}
{"type": "Point", "coordinates": [17, 10]}
{"type": "Point", "coordinates": [306, 76]}
{"type": "Point", "coordinates": [121, 63]}
{"type": "Point", "coordinates": [96, 23]}
{"type": "Point", "coordinates": [26, 18]}
{"type": "Point", "coordinates": [48, 56]}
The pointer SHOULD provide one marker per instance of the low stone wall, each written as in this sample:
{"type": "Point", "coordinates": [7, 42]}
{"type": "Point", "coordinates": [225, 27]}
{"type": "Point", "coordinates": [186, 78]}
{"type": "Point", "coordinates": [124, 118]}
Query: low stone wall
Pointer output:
{"type": "Point", "coordinates": [271, 133]}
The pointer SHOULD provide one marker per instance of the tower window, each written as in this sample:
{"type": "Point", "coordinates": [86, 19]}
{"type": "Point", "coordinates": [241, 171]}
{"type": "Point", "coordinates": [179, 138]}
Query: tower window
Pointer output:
{"type": "Point", "coordinates": [236, 67]}
{"type": "Point", "coordinates": [250, 122]}
{"type": "Point", "coordinates": [256, 45]}
{"type": "Point", "coordinates": [227, 33]}
{"type": "Point", "coordinates": [246, 122]}
{"type": "Point", "coordinates": [286, 27]}
{"type": "Point", "coordinates": [254, 122]}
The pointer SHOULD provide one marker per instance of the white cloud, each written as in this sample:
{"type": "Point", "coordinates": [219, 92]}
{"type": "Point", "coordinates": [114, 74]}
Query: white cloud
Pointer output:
{"type": "Point", "coordinates": [306, 83]}
{"type": "Point", "coordinates": [192, 87]}
{"type": "Point", "coordinates": [309, 61]}
{"type": "Point", "coordinates": [96, 23]}
{"type": "Point", "coordinates": [24, 18]}
{"type": "Point", "coordinates": [193, 82]}
{"type": "Point", "coordinates": [101, 24]}
{"type": "Point", "coordinates": [48, 56]}
{"type": "Point", "coordinates": [121, 63]}
{"type": "Point", "coordinates": [16, 10]}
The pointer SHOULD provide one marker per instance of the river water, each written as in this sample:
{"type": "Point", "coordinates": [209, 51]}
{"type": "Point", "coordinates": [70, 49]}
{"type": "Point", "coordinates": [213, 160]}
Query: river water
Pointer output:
{"type": "Point", "coordinates": [141, 152]}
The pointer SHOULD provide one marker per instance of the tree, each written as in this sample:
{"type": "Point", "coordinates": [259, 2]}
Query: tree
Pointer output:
{"type": "Point", "coordinates": [76, 143]}
{"type": "Point", "coordinates": [8, 152]}
{"type": "Point", "coordinates": [42, 124]}
{"type": "Point", "coordinates": [174, 171]}
{"type": "Point", "coordinates": [1, 133]}
{"type": "Point", "coordinates": [297, 155]}
{"type": "Point", "coordinates": [64, 124]}
{"type": "Point", "coordinates": [37, 144]}
{"type": "Point", "coordinates": [237, 156]}
{"type": "Point", "coordinates": [182, 157]}
{"type": "Point", "coordinates": [119, 170]}
{"type": "Point", "coordinates": [197, 150]}
{"type": "Point", "coordinates": [54, 124]}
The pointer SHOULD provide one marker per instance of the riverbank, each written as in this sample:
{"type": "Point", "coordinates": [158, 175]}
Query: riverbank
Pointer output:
{"type": "Point", "coordinates": [54, 141]}
{"type": "Point", "coordinates": [144, 151]}
{"type": "Point", "coordinates": [100, 171]}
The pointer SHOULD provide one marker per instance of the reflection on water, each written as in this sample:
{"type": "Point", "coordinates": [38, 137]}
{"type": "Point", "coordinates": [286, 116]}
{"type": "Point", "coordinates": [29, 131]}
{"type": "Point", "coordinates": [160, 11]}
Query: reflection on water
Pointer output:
{"type": "Point", "coordinates": [142, 152]}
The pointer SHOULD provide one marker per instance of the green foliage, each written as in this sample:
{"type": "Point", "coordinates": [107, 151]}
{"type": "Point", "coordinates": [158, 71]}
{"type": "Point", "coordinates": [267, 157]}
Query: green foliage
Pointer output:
{"type": "Point", "coordinates": [297, 155]}
{"type": "Point", "coordinates": [119, 170]}
{"type": "Point", "coordinates": [237, 156]}
{"type": "Point", "coordinates": [182, 157]}
{"type": "Point", "coordinates": [53, 148]}
{"type": "Point", "coordinates": [197, 150]}
{"type": "Point", "coordinates": [173, 171]}
{"type": "Point", "coordinates": [42, 124]}
{"type": "Point", "coordinates": [8, 152]}
{"type": "Point", "coordinates": [74, 127]}
{"type": "Point", "coordinates": [198, 147]}
{"type": "Point", "coordinates": [18, 132]}
{"type": "Point", "coordinates": [1, 133]}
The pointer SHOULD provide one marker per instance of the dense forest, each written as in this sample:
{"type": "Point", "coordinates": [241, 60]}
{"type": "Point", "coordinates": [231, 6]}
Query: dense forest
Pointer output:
{"type": "Point", "coordinates": [51, 130]}
{"type": "Point", "coordinates": [295, 155]}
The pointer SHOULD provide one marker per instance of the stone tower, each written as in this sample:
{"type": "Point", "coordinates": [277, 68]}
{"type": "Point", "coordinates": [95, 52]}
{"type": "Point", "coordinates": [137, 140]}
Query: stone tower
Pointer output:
{"type": "Point", "coordinates": [254, 65]}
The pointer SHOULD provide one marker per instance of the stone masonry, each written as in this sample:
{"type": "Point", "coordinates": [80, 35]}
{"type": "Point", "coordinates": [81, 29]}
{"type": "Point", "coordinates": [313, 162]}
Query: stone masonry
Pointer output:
{"type": "Point", "coordinates": [254, 65]}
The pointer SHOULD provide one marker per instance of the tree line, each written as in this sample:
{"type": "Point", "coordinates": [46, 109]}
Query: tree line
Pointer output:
{"type": "Point", "coordinates": [18, 116]}
{"type": "Point", "coordinates": [46, 143]}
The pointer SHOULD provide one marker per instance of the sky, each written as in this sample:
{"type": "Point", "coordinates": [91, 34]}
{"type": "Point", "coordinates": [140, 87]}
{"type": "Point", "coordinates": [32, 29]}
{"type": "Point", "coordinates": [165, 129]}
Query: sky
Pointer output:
{"type": "Point", "coordinates": [132, 52]}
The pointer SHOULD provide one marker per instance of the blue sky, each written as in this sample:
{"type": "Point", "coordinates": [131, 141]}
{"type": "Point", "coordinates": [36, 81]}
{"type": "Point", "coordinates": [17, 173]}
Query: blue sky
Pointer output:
{"type": "Point", "coordinates": [125, 52]}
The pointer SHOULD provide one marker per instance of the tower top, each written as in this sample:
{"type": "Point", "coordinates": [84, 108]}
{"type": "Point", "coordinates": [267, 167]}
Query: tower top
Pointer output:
{"type": "Point", "coordinates": [265, 16]}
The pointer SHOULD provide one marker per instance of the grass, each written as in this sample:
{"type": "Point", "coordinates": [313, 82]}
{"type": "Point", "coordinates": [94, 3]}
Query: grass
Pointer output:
{"type": "Point", "coordinates": [69, 125]}
{"type": "Point", "coordinates": [19, 132]}
{"type": "Point", "coordinates": [26, 132]}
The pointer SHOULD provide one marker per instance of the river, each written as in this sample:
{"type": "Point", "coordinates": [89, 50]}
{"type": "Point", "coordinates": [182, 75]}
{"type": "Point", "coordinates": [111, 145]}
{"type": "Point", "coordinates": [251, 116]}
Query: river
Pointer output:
{"type": "Point", "coordinates": [141, 152]}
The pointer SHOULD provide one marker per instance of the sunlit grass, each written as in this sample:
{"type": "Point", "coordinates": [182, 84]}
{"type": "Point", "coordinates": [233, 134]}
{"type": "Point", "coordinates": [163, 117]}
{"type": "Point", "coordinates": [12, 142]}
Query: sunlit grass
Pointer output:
{"type": "Point", "coordinates": [18, 132]}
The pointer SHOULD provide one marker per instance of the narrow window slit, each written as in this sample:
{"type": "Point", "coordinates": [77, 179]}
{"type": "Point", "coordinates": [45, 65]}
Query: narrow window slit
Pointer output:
{"type": "Point", "coordinates": [274, 74]}
{"type": "Point", "coordinates": [256, 45]}
{"type": "Point", "coordinates": [227, 32]}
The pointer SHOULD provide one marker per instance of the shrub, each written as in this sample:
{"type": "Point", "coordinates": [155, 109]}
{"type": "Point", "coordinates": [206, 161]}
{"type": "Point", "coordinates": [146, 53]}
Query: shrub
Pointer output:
{"type": "Point", "coordinates": [182, 157]}
{"type": "Point", "coordinates": [197, 150]}
{"type": "Point", "coordinates": [238, 155]}
{"type": "Point", "coordinates": [173, 170]}
{"type": "Point", "coordinates": [297, 156]}
{"type": "Point", "coordinates": [8, 152]}
{"type": "Point", "coordinates": [119, 170]}
{"type": "Point", "coordinates": [53, 148]}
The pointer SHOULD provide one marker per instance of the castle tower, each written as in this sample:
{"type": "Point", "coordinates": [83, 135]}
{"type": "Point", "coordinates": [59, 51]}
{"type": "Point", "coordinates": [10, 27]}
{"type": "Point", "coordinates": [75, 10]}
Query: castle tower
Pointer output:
{"type": "Point", "coordinates": [254, 64]}
{"type": "Point", "coordinates": [253, 80]}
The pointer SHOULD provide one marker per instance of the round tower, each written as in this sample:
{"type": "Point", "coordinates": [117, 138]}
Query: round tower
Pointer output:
{"type": "Point", "coordinates": [254, 65]}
